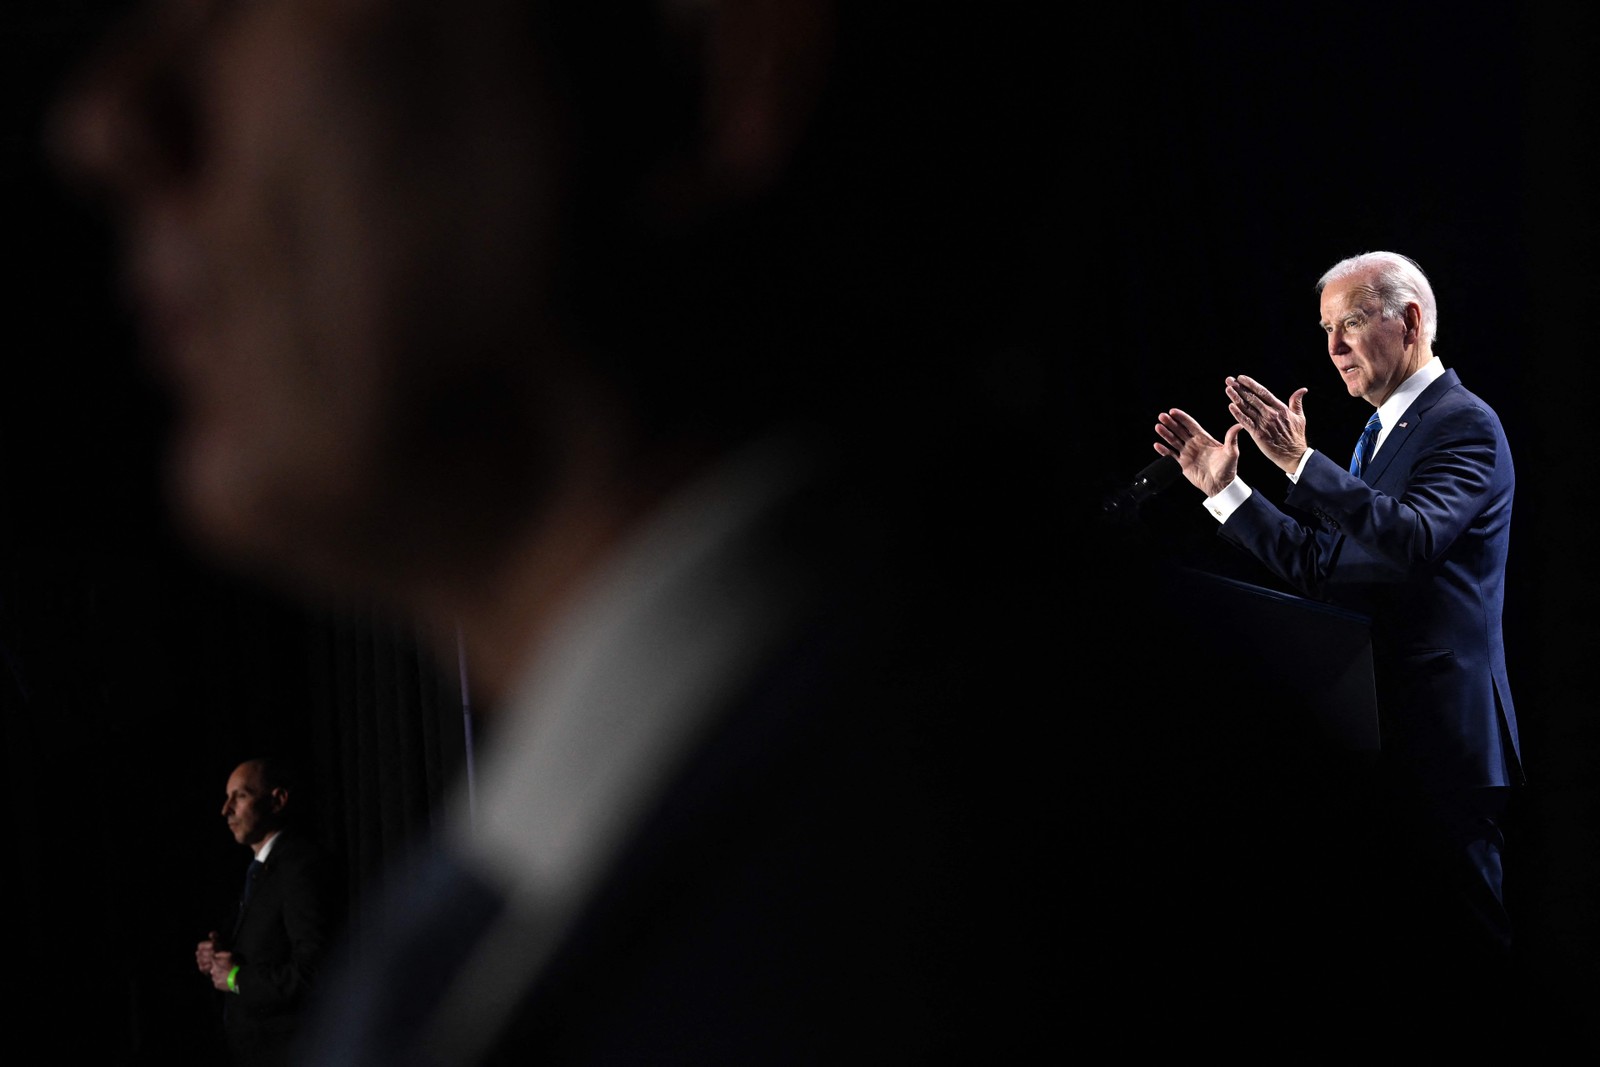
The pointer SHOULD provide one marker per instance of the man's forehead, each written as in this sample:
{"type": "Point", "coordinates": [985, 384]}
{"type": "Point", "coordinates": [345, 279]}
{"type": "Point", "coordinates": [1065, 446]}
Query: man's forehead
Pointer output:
{"type": "Point", "coordinates": [1349, 294]}
{"type": "Point", "coordinates": [246, 778]}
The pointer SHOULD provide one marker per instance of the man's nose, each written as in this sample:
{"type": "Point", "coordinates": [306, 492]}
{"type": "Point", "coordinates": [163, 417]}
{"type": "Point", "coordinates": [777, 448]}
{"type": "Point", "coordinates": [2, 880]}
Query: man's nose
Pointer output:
{"type": "Point", "coordinates": [130, 118]}
{"type": "Point", "coordinates": [1336, 343]}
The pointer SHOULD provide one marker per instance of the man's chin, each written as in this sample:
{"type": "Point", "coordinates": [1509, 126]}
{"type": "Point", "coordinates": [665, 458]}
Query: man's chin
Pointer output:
{"type": "Point", "coordinates": [253, 514]}
{"type": "Point", "coordinates": [210, 499]}
{"type": "Point", "coordinates": [232, 502]}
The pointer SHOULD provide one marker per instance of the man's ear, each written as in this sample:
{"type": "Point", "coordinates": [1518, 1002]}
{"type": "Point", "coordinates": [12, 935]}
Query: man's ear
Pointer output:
{"type": "Point", "coordinates": [1413, 323]}
{"type": "Point", "coordinates": [279, 797]}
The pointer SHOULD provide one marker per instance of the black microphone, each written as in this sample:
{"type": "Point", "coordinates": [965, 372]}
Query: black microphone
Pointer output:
{"type": "Point", "coordinates": [1146, 484]}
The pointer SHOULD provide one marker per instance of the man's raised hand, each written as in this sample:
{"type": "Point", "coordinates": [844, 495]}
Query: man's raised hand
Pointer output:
{"type": "Point", "coordinates": [1209, 464]}
{"type": "Point", "coordinates": [1278, 429]}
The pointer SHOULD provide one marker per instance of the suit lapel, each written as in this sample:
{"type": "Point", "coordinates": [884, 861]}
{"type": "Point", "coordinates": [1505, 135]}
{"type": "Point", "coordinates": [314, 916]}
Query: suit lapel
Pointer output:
{"type": "Point", "coordinates": [1413, 418]}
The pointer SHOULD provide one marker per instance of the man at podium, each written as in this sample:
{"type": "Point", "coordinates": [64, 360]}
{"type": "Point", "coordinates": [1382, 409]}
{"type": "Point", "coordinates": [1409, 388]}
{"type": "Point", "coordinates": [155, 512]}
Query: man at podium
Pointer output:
{"type": "Point", "coordinates": [1413, 532]}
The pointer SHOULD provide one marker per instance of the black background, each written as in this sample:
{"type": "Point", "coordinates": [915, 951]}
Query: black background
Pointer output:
{"type": "Point", "coordinates": [1174, 181]}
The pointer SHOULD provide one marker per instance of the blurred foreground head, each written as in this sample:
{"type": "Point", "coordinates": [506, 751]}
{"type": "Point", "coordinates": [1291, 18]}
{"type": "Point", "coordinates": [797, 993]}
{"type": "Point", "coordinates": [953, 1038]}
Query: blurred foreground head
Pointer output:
{"type": "Point", "coordinates": [425, 278]}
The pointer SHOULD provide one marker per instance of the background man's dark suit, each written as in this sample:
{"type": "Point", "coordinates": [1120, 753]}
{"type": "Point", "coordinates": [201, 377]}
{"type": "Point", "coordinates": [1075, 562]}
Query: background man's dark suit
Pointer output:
{"type": "Point", "coordinates": [840, 870]}
{"type": "Point", "coordinates": [281, 936]}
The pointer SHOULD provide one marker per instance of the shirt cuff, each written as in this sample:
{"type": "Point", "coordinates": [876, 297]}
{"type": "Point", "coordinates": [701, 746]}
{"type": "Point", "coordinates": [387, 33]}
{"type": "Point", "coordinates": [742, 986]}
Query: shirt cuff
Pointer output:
{"type": "Point", "coordinates": [1305, 457]}
{"type": "Point", "coordinates": [1227, 502]}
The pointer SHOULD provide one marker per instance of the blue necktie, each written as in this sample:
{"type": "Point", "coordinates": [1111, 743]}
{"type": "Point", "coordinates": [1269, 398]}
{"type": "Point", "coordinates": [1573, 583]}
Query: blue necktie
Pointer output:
{"type": "Point", "coordinates": [1369, 437]}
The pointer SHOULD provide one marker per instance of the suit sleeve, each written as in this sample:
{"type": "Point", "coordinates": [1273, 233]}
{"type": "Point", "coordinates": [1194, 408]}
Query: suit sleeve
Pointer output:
{"type": "Point", "coordinates": [1367, 535]}
{"type": "Point", "coordinates": [307, 927]}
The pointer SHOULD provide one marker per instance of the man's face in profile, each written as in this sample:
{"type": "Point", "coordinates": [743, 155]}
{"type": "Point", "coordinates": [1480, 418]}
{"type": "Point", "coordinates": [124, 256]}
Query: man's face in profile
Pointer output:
{"type": "Point", "coordinates": [251, 810]}
{"type": "Point", "coordinates": [1367, 346]}
{"type": "Point", "coordinates": [332, 215]}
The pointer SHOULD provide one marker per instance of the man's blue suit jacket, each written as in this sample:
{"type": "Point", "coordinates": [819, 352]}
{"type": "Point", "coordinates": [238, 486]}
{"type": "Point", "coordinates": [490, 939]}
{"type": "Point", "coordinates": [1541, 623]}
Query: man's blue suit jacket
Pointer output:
{"type": "Point", "coordinates": [1419, 544]}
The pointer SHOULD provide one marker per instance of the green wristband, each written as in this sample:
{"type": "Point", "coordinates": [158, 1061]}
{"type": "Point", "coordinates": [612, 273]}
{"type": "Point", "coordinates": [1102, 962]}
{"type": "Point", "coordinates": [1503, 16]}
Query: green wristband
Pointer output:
{"type": "Point", "coordinates": [232, 978]}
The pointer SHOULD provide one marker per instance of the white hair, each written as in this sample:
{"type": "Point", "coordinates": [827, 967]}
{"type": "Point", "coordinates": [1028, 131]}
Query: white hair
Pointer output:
{"type": "Point", "coordinates": [1398, 281]}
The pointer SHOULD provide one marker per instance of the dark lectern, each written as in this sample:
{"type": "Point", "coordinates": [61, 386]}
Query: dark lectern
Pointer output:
{"type": "Point", "coordinates": [1307, 666]}
{"type": "Point", "coordinates": [1231, 838]}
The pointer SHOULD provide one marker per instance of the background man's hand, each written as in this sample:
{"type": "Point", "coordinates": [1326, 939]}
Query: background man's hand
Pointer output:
{"type": "Point", "coordinates": [1209, 464]}
{"type": "Point", "coordinates": [204, 952]}
{"type": "Point", "coordinates": [1278, 429]}
{"type": "Point", "coordinates": [221, 964]}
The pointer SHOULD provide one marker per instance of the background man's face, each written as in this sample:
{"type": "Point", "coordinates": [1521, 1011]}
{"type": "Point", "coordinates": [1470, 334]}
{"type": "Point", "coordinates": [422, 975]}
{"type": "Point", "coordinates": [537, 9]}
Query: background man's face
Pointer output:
{"type": "Point", "coordinates": [252, 811]}
{"type": "Point", "coordinates": [332, 214]}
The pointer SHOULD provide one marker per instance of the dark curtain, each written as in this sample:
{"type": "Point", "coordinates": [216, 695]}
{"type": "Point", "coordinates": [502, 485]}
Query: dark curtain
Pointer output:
{"type": "Point", "coordinates": [134, 705]}
{"type": "Point", "coordinates": [388, 739]}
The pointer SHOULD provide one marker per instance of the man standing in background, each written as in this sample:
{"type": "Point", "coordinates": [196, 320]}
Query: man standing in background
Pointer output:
{"type": "Point", "coordinates": [266, 964]}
